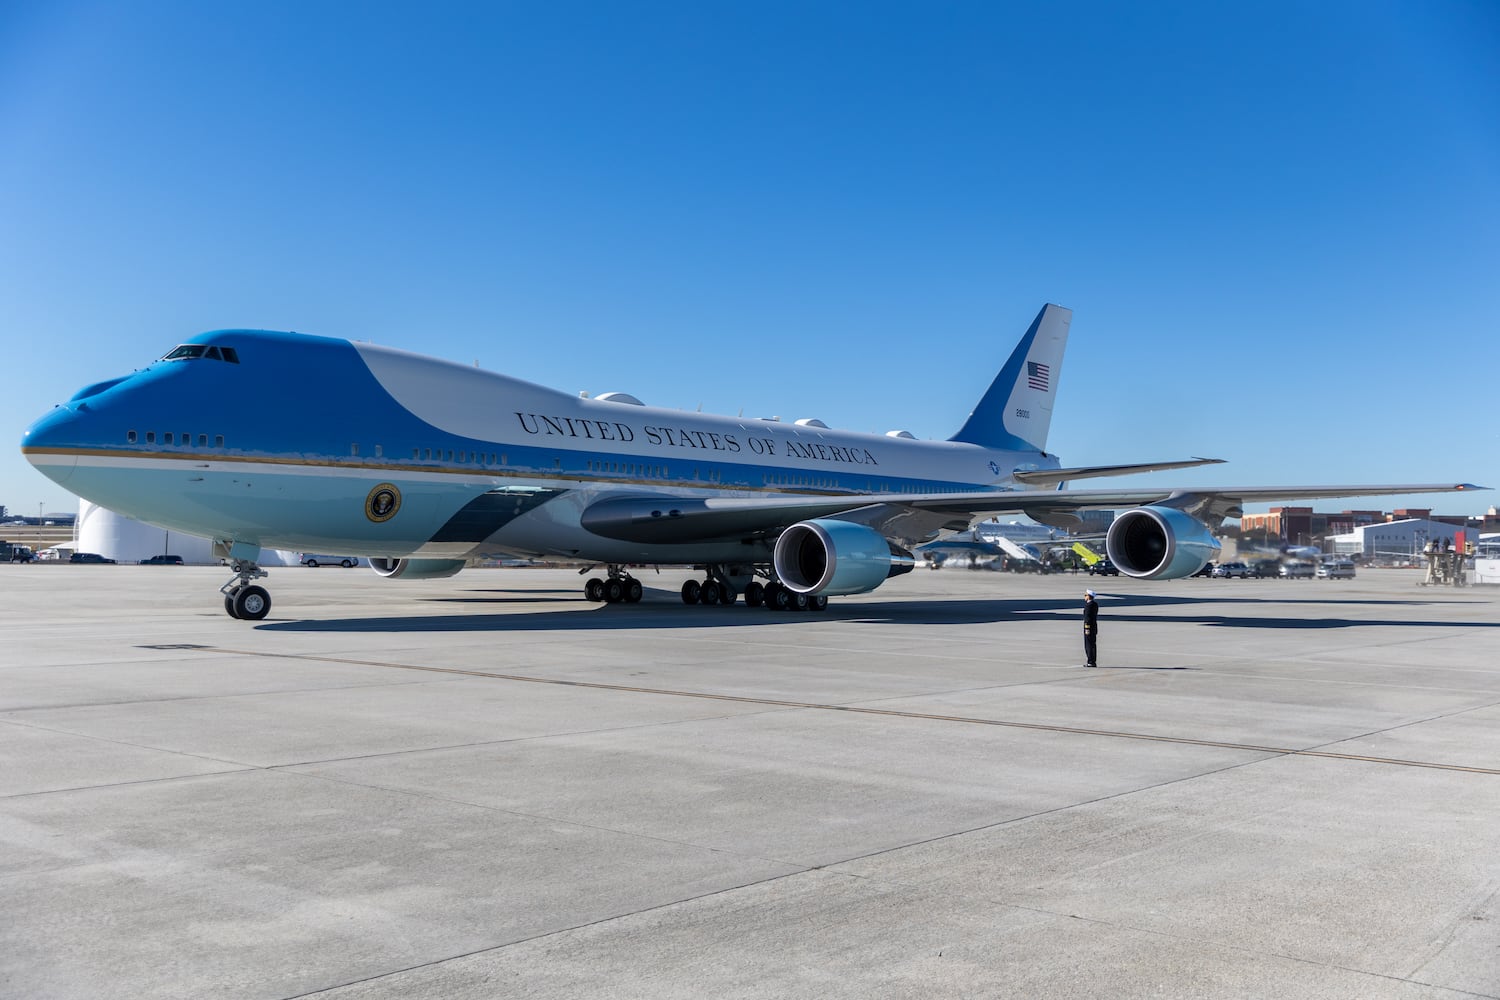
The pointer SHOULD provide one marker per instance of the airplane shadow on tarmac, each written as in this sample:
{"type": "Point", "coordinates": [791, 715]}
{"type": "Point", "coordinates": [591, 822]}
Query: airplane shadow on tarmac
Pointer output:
{"type": "Point", "coordinates": [664, 610]}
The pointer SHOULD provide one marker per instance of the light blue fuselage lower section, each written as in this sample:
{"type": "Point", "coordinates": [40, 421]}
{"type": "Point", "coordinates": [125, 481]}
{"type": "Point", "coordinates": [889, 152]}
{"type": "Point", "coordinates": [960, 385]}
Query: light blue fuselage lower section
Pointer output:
{"type": "Point", "coordinates": [399, 455]}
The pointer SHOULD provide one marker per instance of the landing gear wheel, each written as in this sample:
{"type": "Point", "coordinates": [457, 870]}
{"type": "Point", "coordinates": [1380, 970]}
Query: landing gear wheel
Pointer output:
{"type": "Point", "coordinates": [726, 594]}
{"type": "Point", "coordinates": [755, 595]}
{"type": "Point", "coordinates": [817, 602]}
{"type": "Point", "coordinates": [229, 604]}
{"type": "Point", "coordinates": [799, 601]}
{"type": "Point", "coordinates": [614, 592]}
{"type": "Point", "coordinates": [692, 590]}
{"type": "Point", "coordinates": [634, 591]}
{"type": "Point", "coordinates": [251, 603]}
{"type": "Point", "coordinates": [594, 590]}
{"type": "Point", "coordinates": [708, 593]}
{"type": "Point", "coordinates": [779, 598]}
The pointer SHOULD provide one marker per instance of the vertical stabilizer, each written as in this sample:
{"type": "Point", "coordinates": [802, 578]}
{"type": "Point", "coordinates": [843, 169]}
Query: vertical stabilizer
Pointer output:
{"type": "Point", "coordinates": [1017, 410]}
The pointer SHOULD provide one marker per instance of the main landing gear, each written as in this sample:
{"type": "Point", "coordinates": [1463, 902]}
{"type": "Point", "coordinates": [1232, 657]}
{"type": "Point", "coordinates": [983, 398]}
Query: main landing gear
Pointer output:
{"type": "Point", "coordinates": [619, 588]}
{"type": "Point", "coordinates": [779, 597]}
{"type": "Point", "coordinates": [243, 599]}
{"type": "Point", "coordinates": [717, 589]}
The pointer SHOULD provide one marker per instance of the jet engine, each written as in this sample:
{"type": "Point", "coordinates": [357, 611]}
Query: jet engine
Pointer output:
{"type": "Point", "coordinates": [416, 569]}
{"type": "Point", "coordinates": [831, 557]}
{"type": "Point", "coordinates": [1159, 543]}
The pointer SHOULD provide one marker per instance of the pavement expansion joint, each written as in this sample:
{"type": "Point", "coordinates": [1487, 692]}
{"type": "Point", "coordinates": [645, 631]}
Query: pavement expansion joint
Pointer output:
{"type": "Point", "coordinates": [885, 712]}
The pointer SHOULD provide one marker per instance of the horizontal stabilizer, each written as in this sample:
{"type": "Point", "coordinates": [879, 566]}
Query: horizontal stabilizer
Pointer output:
{"type": "Point", "coordinates": [1049, 477]}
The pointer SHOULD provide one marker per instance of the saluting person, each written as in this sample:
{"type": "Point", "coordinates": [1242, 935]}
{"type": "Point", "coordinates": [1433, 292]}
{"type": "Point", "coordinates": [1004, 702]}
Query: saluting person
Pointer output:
{"type": "Point", "coordinates": [1090, 629]}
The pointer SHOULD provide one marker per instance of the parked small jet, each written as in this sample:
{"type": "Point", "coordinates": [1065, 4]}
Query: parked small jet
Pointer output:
{"type": "Point", "coordinates": [422, 465]}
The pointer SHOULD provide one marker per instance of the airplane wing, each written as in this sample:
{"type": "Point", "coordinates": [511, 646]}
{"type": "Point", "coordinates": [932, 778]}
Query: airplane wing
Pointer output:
{"type": "Point", "coordinates": [1044, 477]}
{"type": "Point", "coordinates": [915, 518]}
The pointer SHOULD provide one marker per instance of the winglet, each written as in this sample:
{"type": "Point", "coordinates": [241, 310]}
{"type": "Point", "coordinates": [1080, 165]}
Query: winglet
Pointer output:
{"type": "Point", "coordinates": [1016, 412]}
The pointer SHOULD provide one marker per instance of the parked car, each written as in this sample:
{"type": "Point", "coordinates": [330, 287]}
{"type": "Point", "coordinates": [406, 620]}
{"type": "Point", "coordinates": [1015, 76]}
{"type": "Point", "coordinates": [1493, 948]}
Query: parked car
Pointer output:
{"type": "Point", "coordinates": [89, 557]}
{"type": "Point", "coordinates": [1103, 568]}
{"type": "Point", "coordinates": [1207, 570]}
{"type": "Point", "coordinates": [314, 561]}
{"type": "Point", "coordinates": [1296, 570]}
{"type": "Point", "coordinates": [162, 561]}
{"type": "Point", "coordinates": [1233, 571]}
{"type": "Point", "coordinates": [1336, 569]}
{"type": "Point", "coordinates": [1266, 569]}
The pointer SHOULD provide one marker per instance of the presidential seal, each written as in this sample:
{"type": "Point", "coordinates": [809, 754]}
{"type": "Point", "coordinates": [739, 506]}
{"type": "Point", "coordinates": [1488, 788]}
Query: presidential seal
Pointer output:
{"type": "Point", "coordinates": [382, 503]}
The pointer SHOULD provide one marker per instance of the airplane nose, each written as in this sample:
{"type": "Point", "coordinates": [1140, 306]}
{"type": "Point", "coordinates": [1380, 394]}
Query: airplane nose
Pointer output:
{"type": "Point", "coordinates": [43, 441]}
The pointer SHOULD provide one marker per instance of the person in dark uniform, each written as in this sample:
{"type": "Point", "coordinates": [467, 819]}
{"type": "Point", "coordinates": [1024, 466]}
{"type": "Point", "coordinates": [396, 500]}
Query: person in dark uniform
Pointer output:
{"type": "Point", "coordinates": [1090, 629]}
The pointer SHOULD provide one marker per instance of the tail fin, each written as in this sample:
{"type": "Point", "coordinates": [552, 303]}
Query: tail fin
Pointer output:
{"type": "Point", "coordinates": [1017, 410]}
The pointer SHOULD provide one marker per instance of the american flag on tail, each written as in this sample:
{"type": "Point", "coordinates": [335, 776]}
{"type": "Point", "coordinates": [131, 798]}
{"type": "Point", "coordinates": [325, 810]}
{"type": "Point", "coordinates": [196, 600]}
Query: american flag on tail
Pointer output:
{"type": "Point", "coordinates": [1037, 375]}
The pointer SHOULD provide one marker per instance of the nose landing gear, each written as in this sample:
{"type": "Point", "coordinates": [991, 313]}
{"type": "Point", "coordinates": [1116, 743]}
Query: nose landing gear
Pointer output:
{"type": "Point", "coordinates": [243, 599]}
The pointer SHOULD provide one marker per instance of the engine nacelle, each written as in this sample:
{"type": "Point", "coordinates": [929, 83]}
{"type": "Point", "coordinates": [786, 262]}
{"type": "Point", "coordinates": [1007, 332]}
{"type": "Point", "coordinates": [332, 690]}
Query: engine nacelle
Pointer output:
{"type": "Point", "coordinates": [416, 569]}
{"type": "Point", "coordinates": [831, 557]}
{"type": "Point", "coordinates": [1159, 543]}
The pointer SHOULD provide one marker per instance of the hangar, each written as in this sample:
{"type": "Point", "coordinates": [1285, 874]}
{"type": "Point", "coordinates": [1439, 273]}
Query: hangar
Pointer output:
{"type": "Point", "coordinates": [1393, 541]}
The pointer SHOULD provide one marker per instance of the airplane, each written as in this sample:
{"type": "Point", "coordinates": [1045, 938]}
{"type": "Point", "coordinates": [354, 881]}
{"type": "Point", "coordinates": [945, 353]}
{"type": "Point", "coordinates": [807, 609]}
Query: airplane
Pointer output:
{"type": "Point", "coordinates": [423, 465]}
{"type": "Point", "coordinates": [972, 551]}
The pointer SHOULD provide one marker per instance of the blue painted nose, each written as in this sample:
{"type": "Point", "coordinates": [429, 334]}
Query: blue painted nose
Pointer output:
{"type": "Point", "coordinates": [48, 444]}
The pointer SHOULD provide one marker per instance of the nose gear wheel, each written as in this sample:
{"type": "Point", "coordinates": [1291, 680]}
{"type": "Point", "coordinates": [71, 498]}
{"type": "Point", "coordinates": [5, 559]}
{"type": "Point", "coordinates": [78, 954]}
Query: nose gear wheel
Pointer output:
{"type": "Point", "coordinates": [243, 599]}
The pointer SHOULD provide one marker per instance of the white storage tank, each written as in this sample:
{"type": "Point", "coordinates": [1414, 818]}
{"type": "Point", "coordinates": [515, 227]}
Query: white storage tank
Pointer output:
{"type": "Point", "coordinates": [126, 540]}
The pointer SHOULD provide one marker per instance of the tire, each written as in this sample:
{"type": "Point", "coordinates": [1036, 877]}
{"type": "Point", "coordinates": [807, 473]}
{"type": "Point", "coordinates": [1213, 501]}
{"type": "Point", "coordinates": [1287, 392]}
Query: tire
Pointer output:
{"type": "Point", "coordinates": [817, 602]}
{"type": "Point", "coordinates": [727, 594]}
{"type": "Point", "coordinates": [229, 604]}
{"type": "Point", "coordinates": [251, 603]}
{"type": "Point", "coordinates": [614, 592]}
{"type": "Point", "coordinates": [692, 592]}
{"type": "Point", "coordinates": [708, 593]}
{"type": "Point", "coordinates": [755, 595]}
{"type": "Point", "coordinates": [779, 598]}
{"type": "Point", "coordinates": [634, 591]}
{"type": "Point", "coordinates": [594, 590]}
{"type": "Point", "coordinates": [799, 601]}
{"type": "Point", "coordinates": [311, 564]}
{"type": "Point", "coordinates": [347, 564]}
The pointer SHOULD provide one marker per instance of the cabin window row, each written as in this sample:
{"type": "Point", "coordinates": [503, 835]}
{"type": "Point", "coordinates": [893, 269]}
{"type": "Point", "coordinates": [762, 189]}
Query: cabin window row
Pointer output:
{"type": "Point", "coordinates": [809, 482]}
{"type": "Point", "coordinates": [461, 455]}
{"type": "Point", "coordinates": [628, 469]}
{"type": "Point", "coordinates": [185, 439]}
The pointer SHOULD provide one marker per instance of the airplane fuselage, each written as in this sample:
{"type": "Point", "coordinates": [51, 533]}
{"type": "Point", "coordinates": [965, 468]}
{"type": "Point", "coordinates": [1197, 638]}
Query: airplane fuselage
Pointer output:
{"type": "Point", "coordinates": [387, 453]}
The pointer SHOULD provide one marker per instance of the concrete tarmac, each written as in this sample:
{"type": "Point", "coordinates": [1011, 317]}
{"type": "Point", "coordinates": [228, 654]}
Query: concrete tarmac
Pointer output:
{"type": "Point", "coordinates": [486, 787]}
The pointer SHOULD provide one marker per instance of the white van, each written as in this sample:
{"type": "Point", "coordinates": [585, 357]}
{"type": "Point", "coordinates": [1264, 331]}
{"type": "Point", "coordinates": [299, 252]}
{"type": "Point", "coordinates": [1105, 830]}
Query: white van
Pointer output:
{"type": "Point", "coordinates": [1336, 569]}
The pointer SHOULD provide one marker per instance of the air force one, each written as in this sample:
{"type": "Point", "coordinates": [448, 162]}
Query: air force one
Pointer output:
{"type": "Point", "coordinates": [423, 465]}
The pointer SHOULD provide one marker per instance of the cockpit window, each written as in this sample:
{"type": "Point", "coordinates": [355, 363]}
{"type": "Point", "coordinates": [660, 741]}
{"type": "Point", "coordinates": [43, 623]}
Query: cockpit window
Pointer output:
{"type": "Point", "coordinates": [190, 352]}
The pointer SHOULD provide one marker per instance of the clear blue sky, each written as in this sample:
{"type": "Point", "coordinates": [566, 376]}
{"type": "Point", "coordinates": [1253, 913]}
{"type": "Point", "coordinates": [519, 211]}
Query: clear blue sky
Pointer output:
{"type": "Point", "coordinates": [1278, 224]}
